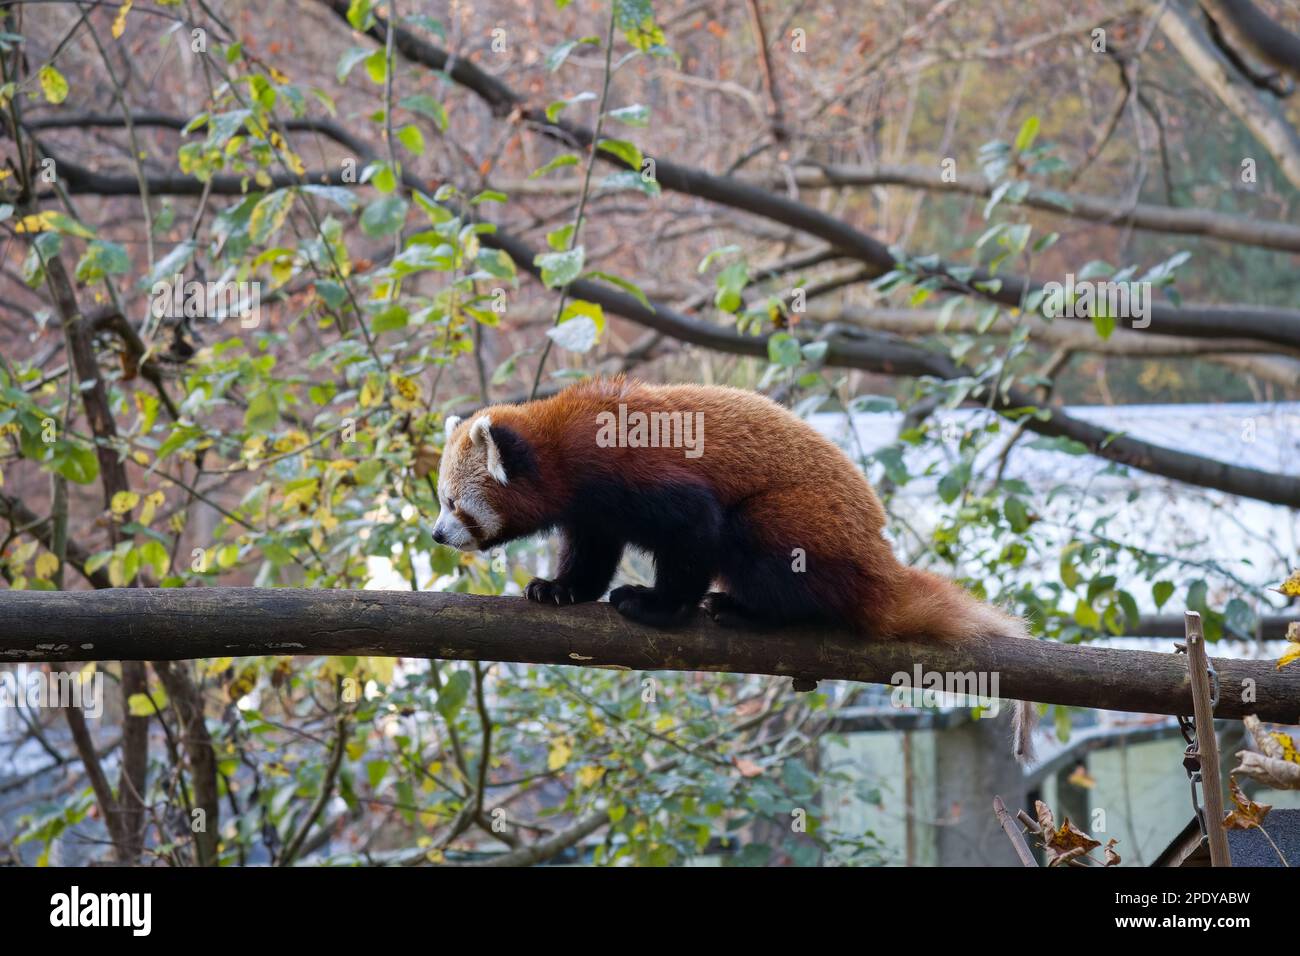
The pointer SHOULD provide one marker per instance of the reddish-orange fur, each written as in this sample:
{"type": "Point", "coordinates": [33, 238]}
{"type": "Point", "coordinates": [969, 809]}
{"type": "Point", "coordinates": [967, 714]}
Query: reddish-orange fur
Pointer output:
{"type": "Point", "coordinates": [796, 489]}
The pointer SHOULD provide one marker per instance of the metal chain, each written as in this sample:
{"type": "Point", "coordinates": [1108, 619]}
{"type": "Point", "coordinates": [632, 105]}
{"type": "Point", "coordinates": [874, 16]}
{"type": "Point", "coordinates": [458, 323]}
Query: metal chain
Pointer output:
{"type": "Point", "coordinates": [1192, 755]}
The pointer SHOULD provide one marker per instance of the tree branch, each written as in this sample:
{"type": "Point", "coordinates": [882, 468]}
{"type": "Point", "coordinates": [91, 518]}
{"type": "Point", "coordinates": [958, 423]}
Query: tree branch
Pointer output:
{"type": "Point", "coordinates": [180, 624]}
{"type": "Point", "coordinates": [1229, 321]}
{"type": "Point", "coordinates": [884, 355]}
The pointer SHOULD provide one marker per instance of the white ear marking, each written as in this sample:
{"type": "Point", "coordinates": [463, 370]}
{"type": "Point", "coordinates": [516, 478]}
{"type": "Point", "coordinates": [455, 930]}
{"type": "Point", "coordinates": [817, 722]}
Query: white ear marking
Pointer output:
{"type": "Point", "coordinates": [480, 433]}
{"type": "Point", "coordinates": [450, 425]}
{"type": "Point", "coordinates": [481, 430]}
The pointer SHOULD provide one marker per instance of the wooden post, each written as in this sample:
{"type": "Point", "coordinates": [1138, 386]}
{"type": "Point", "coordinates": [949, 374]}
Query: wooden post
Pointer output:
{"type": "Point", "coordinates": [1206, 741]}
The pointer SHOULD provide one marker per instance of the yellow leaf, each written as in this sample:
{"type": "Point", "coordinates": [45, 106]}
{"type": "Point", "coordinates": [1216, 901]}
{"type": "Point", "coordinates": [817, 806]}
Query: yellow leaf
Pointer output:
{"type": "Point", "coordinates": [561, 751]}
{"type": "Point", "coordinates": [371, 392]}
{"type": "Point", "coordinates": [146, 705]}
{"type": "Point", "coordinates": [1291, 586]}
{"type": "Point", "coordinates": [37, 222]}
{"type": "Point", "coordinates": [119, 24]}
{"type": "Point", "coordinates": [381, 668]}
{"type": "Point", "coordinates": [124, 501]}
{"type": "Point", "coordinates": [151, 503]}
{"type": "Point", "coordinates": [46, 565]}
{"type": "Point", "coordinates": [407, 397]}
{"type": "Point", "coordinates": [590, 776]}
{"type": "Point", "coordinates": [1080, 778]}
{"type": "Point", "coordinates": [53, 85]}
{"type": "Point", "coordinates": [1289, 656]}
{"type": "Point", "coordinates": [1289, 752]}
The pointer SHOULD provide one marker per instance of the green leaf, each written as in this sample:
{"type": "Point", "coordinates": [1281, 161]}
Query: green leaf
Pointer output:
{"type": "Point", "coordinates": [426, 105]}
{"type": "Point", "coordinates": [1161, 592]}
{"type": "Point", "coordinates": [1104, 324]}
{"type": "Point", "coordinates": [77, 464]}
{"type": "Point", "coordinates": [377, 67]}
{"type": "Point", "coordinates": [1060, 443]}
{"type": "Point", "coordinates": [627, 152]}
{"type": "Point", "coordinates": [411, 137]}
{"type": "Point", "coordinates": [359, 14]}
{"type": "Point", "coordinates": [1085, 616]}
{"type": "Point", "coordinates": [102, 258]}
{"type": "Point", "coordinates": [560, 268]}
{"type": "Point", "coordinates": [731, 283]}
{"type": "Point", "coordinates": [58, 222]}
{"type": "Point", "coordinates": [496, 262]}
{"type": "Point", "coordinates": [783, 349]}
{"type": "Point", "coordinates": [341, 197]}
{"type": "Point", "coordinates": [626, 285]}
{"type": "Point", "coordinates": [154, 554]}
{"type": "Point", "coordinates": [630, 179]}
{"type": "Point", "coordinates": [636, 19]}
{"type": "Point", "coordinates": [262, 414]}
{"type": "Point", "coordinates": [375, 771]}
{"type": "Point", "coordinates": [1028, 132]}
{"type": "Point", "coordinates": [635, 115]}
{"type": "Point", "coordinates": [578, 334]}
{"type": "Point", "coordinates": [384, 217]}
{"type": "Point", "coordinates": [453, 695]}
{"type": "Point", "coordinates": [558, 239]}
{"type": "Point", "coordinates": [553, 110]}
{"type": "Point", "coordinates": [350, 58]}
{"type": "Point", "coordinates": [555, 59]}
{"type": "Point", "coordinates": [951, 484]}
{"type": "Point", "coordinates": [1239, 617]}
{"type": "Point", "coordinates": [1017, 514]}
{"type": "Point", "coordinates": [390, 320]}
{"type": "Point", "coordinates": [568, 159]}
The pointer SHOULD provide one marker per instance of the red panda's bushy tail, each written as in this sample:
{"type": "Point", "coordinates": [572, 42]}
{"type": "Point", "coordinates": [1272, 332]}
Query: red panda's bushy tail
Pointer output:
{"type": "Point", "coordinates": [931, 606]}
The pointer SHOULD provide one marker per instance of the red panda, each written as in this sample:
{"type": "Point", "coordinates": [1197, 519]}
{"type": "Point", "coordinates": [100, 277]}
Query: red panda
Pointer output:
{"type": "Point", "coordinates": [723, 487]}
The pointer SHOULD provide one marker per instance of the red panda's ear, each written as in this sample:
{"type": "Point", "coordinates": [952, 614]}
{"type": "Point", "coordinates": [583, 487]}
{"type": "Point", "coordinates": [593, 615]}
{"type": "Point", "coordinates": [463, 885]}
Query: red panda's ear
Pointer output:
{"type": "Point", "coordinates": [480, 434]}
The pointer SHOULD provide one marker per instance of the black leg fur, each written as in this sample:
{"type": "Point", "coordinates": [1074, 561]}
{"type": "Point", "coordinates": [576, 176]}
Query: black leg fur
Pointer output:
{"type": "Point", "coordinates": [682, 527]}
{"type": "Point", "coordinates": [588, 559]}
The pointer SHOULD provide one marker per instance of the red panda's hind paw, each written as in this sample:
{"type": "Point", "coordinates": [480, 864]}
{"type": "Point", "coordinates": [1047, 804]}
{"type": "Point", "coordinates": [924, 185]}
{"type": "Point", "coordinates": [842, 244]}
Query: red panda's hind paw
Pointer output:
{"type": "Point", "coordinates": [549, 592]}
{"type": "Point", "coordinates": [647, 606]}
{"type": "Point", "coordinates": [724, 610]}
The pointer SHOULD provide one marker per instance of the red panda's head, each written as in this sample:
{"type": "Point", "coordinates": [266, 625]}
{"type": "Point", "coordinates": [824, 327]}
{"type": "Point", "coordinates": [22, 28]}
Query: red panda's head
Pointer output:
{"type": "Point", "coordinates": [484, 472]}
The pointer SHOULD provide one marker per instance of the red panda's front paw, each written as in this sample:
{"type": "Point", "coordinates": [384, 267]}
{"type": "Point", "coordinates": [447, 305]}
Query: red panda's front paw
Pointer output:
{"type": "Point", "coordinates": [549, 592]}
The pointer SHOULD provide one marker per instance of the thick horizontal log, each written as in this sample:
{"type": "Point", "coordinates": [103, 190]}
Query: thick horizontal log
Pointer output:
{"type": "Point", "coordinates": [181, 624]}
